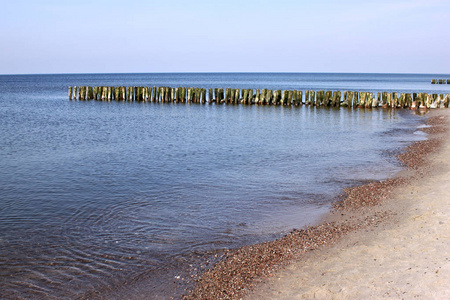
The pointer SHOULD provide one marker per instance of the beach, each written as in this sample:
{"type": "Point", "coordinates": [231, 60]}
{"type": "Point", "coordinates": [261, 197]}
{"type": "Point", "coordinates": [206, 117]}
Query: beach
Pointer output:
{"type": "Point", "coordinates": [130, 210]}
{"type": "Point", "coordinates": [387, 239]}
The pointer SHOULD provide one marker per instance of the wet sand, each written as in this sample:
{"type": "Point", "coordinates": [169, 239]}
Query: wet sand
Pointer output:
{"type": "Point", "coordinates": [386, 239]}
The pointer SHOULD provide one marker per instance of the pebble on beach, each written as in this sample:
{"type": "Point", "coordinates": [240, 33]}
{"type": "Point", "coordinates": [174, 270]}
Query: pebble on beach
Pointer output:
{"type": "Point", "coordinates": [240, 269]}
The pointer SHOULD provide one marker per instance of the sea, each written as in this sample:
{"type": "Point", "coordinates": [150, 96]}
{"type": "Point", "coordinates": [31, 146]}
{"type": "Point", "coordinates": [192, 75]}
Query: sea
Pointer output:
{"type": "Point", "coordinates": [131, 200]}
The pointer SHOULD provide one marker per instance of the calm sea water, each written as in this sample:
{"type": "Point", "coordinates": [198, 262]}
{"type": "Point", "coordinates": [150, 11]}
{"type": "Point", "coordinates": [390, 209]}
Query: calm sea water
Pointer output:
{"type": "Point", "coordinates": [116, 199]}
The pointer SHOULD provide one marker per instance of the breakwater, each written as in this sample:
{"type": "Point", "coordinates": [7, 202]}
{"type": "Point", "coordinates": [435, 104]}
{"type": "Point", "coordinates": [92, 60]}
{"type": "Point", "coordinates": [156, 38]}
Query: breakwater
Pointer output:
{"type": "Point", "coordinates": [440, 81]}
{"type": "Point", "coordinates": [259, 96]}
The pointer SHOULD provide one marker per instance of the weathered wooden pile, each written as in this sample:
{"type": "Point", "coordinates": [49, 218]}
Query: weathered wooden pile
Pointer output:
{"type": "Point", "coordinates": [440, 81]}
{"type": "Point", "coordinates": [260, 97]}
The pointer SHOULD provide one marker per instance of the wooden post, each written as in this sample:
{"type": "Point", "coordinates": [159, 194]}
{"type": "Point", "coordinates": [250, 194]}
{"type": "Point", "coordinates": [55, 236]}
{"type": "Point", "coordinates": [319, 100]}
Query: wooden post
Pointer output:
{"type": "Point", "coordinates": [162, 93]}
{"type": "Point", "coordinates": [433, 101]}
{"type": "Point", "coordinates": [85, 93]}
{"type": "Point", "coordinates": [283, 98]}
{"type": "Point", "coordinates": [166, 94]}
{"type": "Point", "coordinates": [145, 94]}
{"type": "Point", "coordinates": [355, 99]}
{"type": "Point", "coordinates": [345, 101]}
{"type": "Point", "coordinates": [338, 98]}
{"type": "Point", "coordinates": [271, 97]}
{"type": "Point", "coordinates": [177, 94]}
{"type": "Point", "coordinates": [183, 94]}
{"type": "Point", "coordinates": [70, 93]}
{"type": "Point", "coordinates": [307, 101]}
{"type": "Point", "coordinates": [203, 96]}
{"type": "Point", "coordinates": [95, 93]}
{"type": "Point", "coordinates": [196, 95]}
{"type": "Point", "coordinates": [172, 95]}
{"type": "Point", "coordinates": [233, 96]}
{"type": "Point", "coordinates": [221, 96]}
{"type": "Point", "coordinates": [294, 98]}
{"type": "Point", "coordinates": [90, 93]}
{"type": "Point", "coordinates": [158, 94]}
{"type": "Point", "coordinates": [365, 99]}
{"type": "Point", "coordinates": [252, 97]}
{"type": "Point", "coordinates": [348, 95]}
{"type": "Point", "coordinates": [257, 95]}
{"type": "Point", "coordinates": [192, 95]}
{"type": "Point", "coordinates": [260, 97]}
{"type": "Point", "coordinates": [369, 100]}
{"type": "Point", "coordinates": [154, 94]}
{"type": "Point", "coordinates": [386, 100]}
{"type": "Point", "coordinates": [191, 99]}
{"type": "Point", "coordinates": [328, 98]}
{"type": "Point", "coordinates": [245, 96]}
{"type": "Point", "coordinates": [279, 96]}
{"type": "Point", "coordinates": [334, 100]}
{"type": "Point", "coordinates": [216, 93]}
{"type": "Point", "coordinates": [136, 93]}
{"type": "Point", "coordinates": [228, 95]}
{"type": "Point", "coordinates": [401, 101]}
{"type": "Point", "coordinates": [375, 100]}
{"type": "Point", "coordinates": [189, 92]}
{"type": "Point", "coordinates": [319, 98]}
{"type": "Point", "coordinates": [408, 100]}
{"type": "Point", "coordinates": [394, 100]}
{"type": "Point", "coordinates": [446, 100]}
{"type": "Point", "coordinates": [141, 94]}
{"type": "Point", "coordinates": [210, 96]}
{"type": "Point", "coordinates": [237, 96]}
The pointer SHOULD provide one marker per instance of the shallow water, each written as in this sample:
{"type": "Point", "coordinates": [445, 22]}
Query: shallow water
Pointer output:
{"type": "Point", "coordinates": [96, 196]}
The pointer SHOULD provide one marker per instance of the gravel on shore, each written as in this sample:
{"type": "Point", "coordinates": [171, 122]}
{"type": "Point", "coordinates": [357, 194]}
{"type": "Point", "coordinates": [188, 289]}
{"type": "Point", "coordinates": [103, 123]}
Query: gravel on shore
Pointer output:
{"type": "Point", "coordinates": [240, 269]}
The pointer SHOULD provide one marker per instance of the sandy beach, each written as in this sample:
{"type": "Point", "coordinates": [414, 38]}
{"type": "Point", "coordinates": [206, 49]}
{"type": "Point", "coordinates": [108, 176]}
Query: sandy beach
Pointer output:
{"type": "Point", "coordinates": [386, 239]}
{"type": "Point", "coordinates": [406, 257]}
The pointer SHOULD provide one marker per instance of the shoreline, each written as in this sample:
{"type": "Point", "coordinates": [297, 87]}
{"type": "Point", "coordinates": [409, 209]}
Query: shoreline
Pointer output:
{"type": "Point", "coordinates": [361, 208]}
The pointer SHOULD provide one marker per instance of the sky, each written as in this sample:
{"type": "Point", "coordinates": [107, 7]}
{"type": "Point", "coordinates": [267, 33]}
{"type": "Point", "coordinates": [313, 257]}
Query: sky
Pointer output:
{"type": "Point", "coordinates": [99, 36]}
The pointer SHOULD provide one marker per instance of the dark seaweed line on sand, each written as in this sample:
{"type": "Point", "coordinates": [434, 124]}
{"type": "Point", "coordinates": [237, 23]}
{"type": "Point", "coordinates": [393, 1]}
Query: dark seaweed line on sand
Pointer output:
{"type": "Point", "coordinates": [240, 269]}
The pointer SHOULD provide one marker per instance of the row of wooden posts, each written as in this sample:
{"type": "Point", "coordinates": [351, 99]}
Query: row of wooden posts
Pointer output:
{"type": "Point", "coordinates": [260, 97]}
{"type": "Point", "coordinates": [440, 81]}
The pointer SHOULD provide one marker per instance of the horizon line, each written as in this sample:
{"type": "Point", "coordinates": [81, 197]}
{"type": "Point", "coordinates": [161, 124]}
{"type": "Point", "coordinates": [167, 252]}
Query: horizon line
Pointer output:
{"type": "Point", "coordinates": [226, 72]}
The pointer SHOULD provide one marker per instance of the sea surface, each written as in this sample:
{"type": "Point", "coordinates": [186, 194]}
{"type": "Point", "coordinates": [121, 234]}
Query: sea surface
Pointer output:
{"type": "Point", "coordinates": [120, 200]}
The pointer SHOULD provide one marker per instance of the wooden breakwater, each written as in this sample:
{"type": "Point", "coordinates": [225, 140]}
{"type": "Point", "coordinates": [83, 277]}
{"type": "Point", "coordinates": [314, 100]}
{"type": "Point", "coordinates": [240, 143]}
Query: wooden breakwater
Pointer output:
{"type": "Point", "coordinates": [259, 96]}
{"type": "Point", "coordinates": [440, 81]}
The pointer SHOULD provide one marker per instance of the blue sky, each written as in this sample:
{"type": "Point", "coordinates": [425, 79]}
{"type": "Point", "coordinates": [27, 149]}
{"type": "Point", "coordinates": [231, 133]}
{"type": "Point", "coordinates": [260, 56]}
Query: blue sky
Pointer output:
{"type": "Point", "coordinates": [51, 36]}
